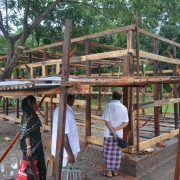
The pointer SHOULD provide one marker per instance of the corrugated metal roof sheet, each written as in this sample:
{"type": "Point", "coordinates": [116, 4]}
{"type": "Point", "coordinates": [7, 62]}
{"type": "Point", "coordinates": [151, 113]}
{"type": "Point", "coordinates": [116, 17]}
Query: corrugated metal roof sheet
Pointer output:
{"type": "Point", "coordinates": [46, 82]}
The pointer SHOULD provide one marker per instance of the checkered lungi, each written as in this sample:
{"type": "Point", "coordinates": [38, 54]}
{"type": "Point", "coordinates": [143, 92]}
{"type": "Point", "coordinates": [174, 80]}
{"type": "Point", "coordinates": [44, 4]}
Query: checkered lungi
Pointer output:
{"type": "Point", "coordinates": [112, 154]}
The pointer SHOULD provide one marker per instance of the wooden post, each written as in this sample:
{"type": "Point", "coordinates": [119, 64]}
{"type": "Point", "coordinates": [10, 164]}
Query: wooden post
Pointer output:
{"type": "Point", "coordinates": [160, 87]}
{"type": "Point", "coordinates": [137, 89]}
{"type": "Point", "coordinates": [45, 73]}
{"type": "Point", "coordinates": [63, 100]}
{"type": "Point", "coordinates": [175, 92]}
{"type": "Point", "coordinates": [4, 103]}
{"type": "Point", "coordinates": [7, 107]}
{"type": "Point", "coordinates": [51, 113]}
{"type": "Point", "coordinates": [128, 95]}
{"type": "Point", "coordinates": [88, 96]}
{"type": "Point", "coordinates": [177, 166]}
{"type": "Point", "coordinates": [17, 100]}
{"type": "Point", "coordinates": [29, 61]}
{"type": "Point", "coordinates": [22, 73]}
{"type": "Point", "coordinates": [99, 95]}
{"type": "Point", "coordinates": [143, 89]}
{"type": "Point", "coordinates": [155, 73]}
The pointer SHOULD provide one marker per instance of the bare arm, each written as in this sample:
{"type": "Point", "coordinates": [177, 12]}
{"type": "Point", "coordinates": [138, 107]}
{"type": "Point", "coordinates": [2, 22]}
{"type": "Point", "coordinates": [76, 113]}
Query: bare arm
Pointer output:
{"type": "Point", "coordinates": [111, 129]}
{"type": "Point", "coordinates": [29, 151]}
{"type": "Point", "coordinates": [123, 125]}
{"type": "Point", "coordinates": [71, 158]}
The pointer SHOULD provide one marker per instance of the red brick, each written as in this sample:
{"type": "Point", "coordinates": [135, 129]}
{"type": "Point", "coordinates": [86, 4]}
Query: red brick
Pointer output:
{"type": "Point", "coordinates": [161, 144]}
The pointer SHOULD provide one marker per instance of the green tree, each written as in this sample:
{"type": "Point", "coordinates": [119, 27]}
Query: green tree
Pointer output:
{"type": "Point", "coordinates": [31, 23]}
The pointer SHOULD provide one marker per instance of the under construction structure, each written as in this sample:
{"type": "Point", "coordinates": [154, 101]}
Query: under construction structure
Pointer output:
{"type": "Point", "coordinates": [133, 81]}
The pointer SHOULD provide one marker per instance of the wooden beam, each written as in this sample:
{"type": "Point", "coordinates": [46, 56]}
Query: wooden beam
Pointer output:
{"type": "Point", "coordinates": [160, 138]}
{"type": "Point", "coordinates": [158, 37]}
{"type": "Point", "coordinates": [17, 120]}
{"type": "Point", "coordinates": [63, 100]}
{"type": "Point", "coordinates": [155, 57]}
{"type": "Point", "coordinates": [95, 140]}
{"type": "Point", "coordinates": [88, 96]}
{"type": "Point", "coordinates": [123, 81]}
{"type": "Point", "coordinates": [83, 38]}
{"type": "Point", "coordinates": [54, 90]}
{"type": "Point", "coordinates": [158, 103]}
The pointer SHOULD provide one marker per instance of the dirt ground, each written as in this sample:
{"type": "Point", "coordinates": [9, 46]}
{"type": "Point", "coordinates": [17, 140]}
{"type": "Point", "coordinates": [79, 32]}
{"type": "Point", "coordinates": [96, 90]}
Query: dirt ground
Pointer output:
{"type": "Point", "coordinates": [9, 166]}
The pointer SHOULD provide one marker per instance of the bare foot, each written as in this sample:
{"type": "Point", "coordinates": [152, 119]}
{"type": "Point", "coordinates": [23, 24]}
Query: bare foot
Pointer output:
{"type": "Point", "coordinates": [106, 173]}
{"type": "Point", "coordinates": [114, 173]}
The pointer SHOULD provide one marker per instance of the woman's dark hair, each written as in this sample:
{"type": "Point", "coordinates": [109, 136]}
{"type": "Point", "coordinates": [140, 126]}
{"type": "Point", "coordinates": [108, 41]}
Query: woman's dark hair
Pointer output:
{"type": "Point", "coordinates": [27, 104]}
{"type": "Point", "coordinates": [116, 95]}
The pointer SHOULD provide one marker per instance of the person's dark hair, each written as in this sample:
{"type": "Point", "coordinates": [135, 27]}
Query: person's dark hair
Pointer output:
{"type": "Point", "coordinates": [27, 104]}
{"type": "Point", "coordinates": [116, 95]}
{"type": "Point", "coordinates": [70, 97]}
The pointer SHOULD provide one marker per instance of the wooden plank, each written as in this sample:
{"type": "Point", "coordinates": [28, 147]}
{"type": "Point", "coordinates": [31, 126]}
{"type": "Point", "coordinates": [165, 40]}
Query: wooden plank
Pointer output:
{"type": "Point", "coordinates": [155, 57]}
{"type": "Point", "coordinates": [95, 127]}
{"type": "Point", "coordinates": [158, 103]}
{"type": "Point", "coordinates": [17, 120]}
{"type": "Point", "coordinates": [160, 138]}
{"type": "Point", "coordinates": [100, 56]}
{"type": "Point", "coordinates": [102, 45]}
{"type": "Point", "coordinates": [142, 31]}
{"type": "Point", "coordinates": [77, 102]}
{"type": "Point", "coordinates": [103, 33]}
{"type": "Point", "coordinates": [95, 140]}
{"type": "Point", "coordinates": [3, 57]}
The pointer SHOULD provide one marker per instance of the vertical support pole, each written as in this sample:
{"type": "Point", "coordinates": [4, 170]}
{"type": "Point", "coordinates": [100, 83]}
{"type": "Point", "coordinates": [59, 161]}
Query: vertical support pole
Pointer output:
{"type": "Point", "coordinates": [155, 73]}
{"type": "Point", "coordinates": [7, 108]}
{"type": "Point", "coordinates": [143, 89]}
{"type": "Point", "coordinates": [137, 89]}
{"type": "Point", "coordinates": [22, 73]}
{"type": "Point", "coordinates": [4, 103]}
{"type": "Point", "coordinates": [175, 92]}
{"type": "Point", "coordinates": [29, 61]}
{"type": "Point", "coordinates": [88, 96]}
{"type": "Point", "coordinates": [57, 68]}
{"type": "Point", "coordinates": [63, 100]}
{"type": "Point", "coordinates": [51, 112]}
{"type": "Point", "coordinates": [45, 73]}
{"type": "Point", "coordinates": [99, 96]}
{"type": "Point", "coordinates": [128, 95]}
{"type": "Point", "coordinates": [76, 71]}
{"type": "Point", "coordinates": [177, 166]}
{"type": "Point", "coordinates": [17, 100]}
{"type": "Point", "coordinates": [160, 87]}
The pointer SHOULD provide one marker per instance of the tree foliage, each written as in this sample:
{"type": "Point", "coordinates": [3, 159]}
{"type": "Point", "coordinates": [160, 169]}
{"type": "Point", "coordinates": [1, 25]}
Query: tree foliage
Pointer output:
{"type": "Point", "coordinates": [31, 23]}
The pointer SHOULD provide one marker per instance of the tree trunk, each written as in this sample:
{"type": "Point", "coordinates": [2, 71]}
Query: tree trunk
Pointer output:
{"type": "Point", "coordinates": [12, 57]}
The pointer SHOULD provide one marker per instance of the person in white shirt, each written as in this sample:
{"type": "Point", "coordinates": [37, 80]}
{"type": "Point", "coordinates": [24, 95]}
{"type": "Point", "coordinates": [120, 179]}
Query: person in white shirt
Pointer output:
{"type": "Point", "coordinates": [71, 139]}
{"type": "Point", "coordinates": [116, 118]}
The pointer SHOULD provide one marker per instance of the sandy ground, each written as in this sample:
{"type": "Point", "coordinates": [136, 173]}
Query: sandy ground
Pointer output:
{"type": "Point", "coordinates": [9, 166]}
